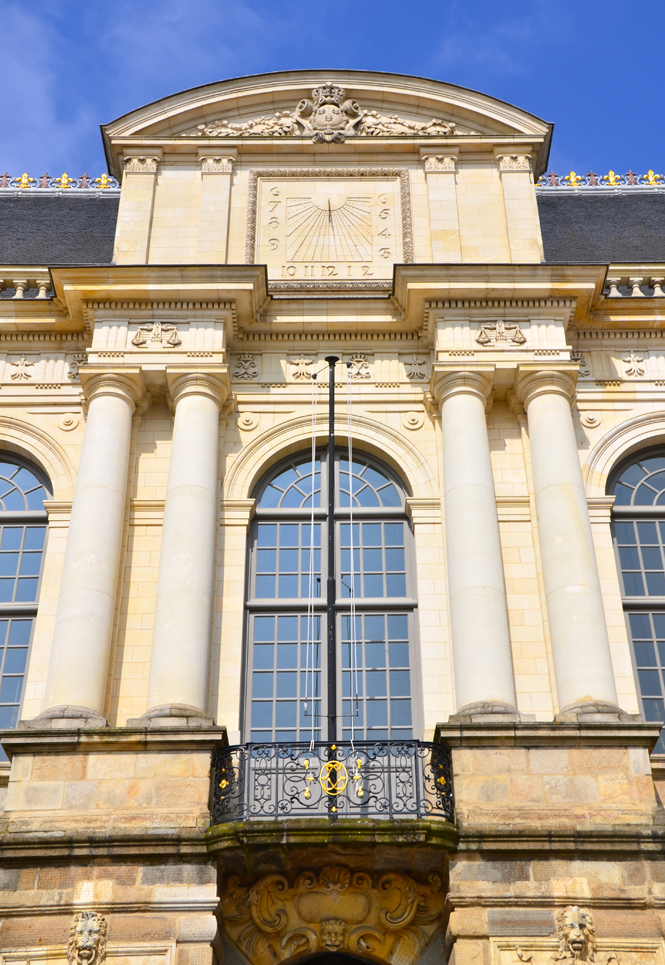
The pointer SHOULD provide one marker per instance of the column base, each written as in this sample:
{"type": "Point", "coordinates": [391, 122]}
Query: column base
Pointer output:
{"type": "Point", "coordinates": [172, 715]}
{"type": "Point", "coordinates": [595, 712]}
{"type": "Point", "coordinates": [489, 711]}
{"type": "Point", "coordinates": [65, 717]}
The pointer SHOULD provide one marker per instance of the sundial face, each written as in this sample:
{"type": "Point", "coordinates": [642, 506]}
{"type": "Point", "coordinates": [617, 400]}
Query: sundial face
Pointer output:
{"type": "Point", "coordinates": [329, 228]}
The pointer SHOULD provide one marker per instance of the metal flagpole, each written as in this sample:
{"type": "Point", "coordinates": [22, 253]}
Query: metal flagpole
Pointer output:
{"type": "Point", "coordinates": [331, 625]}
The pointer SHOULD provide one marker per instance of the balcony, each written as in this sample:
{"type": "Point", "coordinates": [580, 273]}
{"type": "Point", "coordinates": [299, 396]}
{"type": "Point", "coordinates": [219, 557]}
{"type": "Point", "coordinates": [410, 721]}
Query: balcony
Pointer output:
{"type": "Point", "coordinates": [385, 780]}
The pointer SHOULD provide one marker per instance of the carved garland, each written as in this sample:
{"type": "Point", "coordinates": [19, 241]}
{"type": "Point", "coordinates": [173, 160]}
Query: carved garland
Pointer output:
{"type": "Point", "coordinates": [405, 199]}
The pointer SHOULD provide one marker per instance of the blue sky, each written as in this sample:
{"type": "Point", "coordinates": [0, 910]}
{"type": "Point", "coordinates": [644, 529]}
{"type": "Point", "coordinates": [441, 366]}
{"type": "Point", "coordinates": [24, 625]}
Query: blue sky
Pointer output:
{"type": "Point", "coordinates": [595, 69]}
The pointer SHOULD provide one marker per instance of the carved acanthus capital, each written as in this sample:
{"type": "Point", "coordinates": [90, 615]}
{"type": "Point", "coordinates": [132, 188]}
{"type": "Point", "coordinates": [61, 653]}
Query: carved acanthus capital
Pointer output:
{"type": "Point", "coordinates": [336, 909]}
{"type": "Point", "coordinates": [535, 380]}
{"type": "Point", "coordinates": [216, 164]}
{"type": "Point", "coordinates": [140, 165]}
{"type": "Point", "coordinates": [439, 163]}
{"type": "Point", "coordinates": [87, 939]}
{"type": "Point", "coordinates": [514, 162]}
{"type": "Point", "coordinates": [458, 379]}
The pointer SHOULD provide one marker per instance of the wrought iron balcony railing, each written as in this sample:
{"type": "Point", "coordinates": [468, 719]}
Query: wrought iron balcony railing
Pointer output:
{"type": "Point", "coordinates": [370, 779]}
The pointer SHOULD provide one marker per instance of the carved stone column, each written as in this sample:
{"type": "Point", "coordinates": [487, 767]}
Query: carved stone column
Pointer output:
{"type": "Point", "coordinates": [132, 239]}
{"type": "Point", "coordinates": [519, 197]}
{"type": "Point", "coordinates": [76, 682]}
{"type": "Point", "coordinates": [442, 197]}
{"type": "Point", "coordinates": [216, 174]}
{"type": "Point", "coordinates": [580, 645]}
{"type": "Point", "coordinates": [484, 681]}
{"type": "Point", "coordinates": [183, 612]}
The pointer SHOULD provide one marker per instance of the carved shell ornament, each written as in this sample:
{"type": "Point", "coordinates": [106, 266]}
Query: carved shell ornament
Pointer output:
{"type": "Point", "coordinates": [328, 116]}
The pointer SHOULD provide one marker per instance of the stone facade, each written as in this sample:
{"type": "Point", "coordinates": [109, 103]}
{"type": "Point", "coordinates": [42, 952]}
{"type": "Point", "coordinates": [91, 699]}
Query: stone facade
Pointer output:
{"type": "Point", "coordinates": [155, 392]}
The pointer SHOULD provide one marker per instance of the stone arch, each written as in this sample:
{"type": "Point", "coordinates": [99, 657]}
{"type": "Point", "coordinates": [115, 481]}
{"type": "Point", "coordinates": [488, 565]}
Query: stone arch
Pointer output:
{"type": "Point", "coordinates": [381, 441]}
{"type": "Point", "coordinates": [640, 432]}
{"type": "Point", "coordinates": [36, 445]}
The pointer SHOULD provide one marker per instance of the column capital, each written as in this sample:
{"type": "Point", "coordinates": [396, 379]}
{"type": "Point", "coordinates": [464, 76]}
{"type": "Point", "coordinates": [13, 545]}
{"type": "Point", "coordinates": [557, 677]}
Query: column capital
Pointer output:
{"type": "Point", "coordinates": [217, 162]}
{"type": "Point", "coordinates": [147, 163]}
{"type": "Point", "coordinates": [534, 380]}
{"type": "Point", "coordinates": [126, 383]}
{"type": "Point", "coordinates": [439, 163]}
{"type": "Point", "coordinates": [211, 381]}
{"type": "Point", "coordinates": [454, 379]}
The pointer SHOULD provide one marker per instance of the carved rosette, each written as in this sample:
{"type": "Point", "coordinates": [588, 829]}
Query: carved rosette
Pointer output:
{"type": "Point", "coordinates": [514, 162]}
{"type": "Point", "coordinates": [391, 919]}
{"type": "Point", "coordinates": [140, 165]}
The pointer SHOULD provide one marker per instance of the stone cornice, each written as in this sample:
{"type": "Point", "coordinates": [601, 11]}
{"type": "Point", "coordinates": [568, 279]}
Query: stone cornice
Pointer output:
{"type": "Point", "coordinates": [548, 734]}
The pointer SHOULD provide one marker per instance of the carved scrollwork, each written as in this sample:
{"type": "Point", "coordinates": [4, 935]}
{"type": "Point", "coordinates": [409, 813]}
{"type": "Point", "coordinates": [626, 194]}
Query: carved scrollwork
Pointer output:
{"type": "Point", "coordinates": [335, 910]}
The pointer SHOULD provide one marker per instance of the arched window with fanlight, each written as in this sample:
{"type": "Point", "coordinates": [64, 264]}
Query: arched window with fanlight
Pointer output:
{"type": "Point", "coordinates": [638, 523]}
{"type": "Point", "coordinates": [23, 489]}
{"type": "Point", "coordinates": [286, 683]}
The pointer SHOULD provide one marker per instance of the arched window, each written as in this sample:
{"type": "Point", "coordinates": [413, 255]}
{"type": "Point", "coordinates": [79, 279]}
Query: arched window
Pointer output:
{"type": "Point", "coordinates": [23, 519]}
{"type": "Point", "coordinates": [639, 537]}
{"type": "Point", "coordinates": [285, 667]}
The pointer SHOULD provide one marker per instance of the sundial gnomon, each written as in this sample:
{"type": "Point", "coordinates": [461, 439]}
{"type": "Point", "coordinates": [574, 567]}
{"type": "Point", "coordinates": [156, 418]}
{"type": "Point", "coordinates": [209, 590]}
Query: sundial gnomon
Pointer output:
{"type": "Point", "coordinates": [328, 229]}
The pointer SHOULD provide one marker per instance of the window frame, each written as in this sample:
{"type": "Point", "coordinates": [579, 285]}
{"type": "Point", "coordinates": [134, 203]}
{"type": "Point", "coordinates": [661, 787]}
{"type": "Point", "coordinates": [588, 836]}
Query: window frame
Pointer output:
{"type": "Point", "coordinates": [407, 604]}
{"type": "Point", "coordinates": [645, 603]}
{"type": "Point", "coordinates": [30, 609]}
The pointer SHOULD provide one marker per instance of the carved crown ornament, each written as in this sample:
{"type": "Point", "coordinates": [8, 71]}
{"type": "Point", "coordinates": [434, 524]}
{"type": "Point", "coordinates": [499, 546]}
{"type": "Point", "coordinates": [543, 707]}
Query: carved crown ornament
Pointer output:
{"type": "Point", "coordinates": [391, 919]}
{"type": "Point", "coordinates": [329, 115]}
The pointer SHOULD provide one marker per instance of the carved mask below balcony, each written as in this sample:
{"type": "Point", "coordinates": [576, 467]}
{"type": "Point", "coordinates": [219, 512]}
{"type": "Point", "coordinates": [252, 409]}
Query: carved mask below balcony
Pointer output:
{"type": "Point", "coordinates": [391, 919]}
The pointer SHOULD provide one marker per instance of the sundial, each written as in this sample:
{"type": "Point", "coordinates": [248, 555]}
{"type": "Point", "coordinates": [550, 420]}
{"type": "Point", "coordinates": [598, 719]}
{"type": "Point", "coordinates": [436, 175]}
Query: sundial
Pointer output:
{"type": "Point", "coordinates": [320, 227]}
{"type": "Point", "coordinates": [328, 229]}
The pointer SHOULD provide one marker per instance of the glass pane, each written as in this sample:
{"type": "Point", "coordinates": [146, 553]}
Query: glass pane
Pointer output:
{"type": "Point", "coordinates": [645, 629]}
{"type": "Point", "coordinates": [292, 488]}
{"type": "Point", "coordinates": [366, 685]}
{"type": "Point", "coordinates": [286, 678]}
{"type": "Point", "coordinates": [378, 551]}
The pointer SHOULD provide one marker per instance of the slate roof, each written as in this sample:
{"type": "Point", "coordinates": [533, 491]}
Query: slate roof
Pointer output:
{"type": "Point", "coordinates": [583, 228]}
{"type": "Point", "coordinates": [57, 229]}
{"type": "Point", "coordinates": [593, 228]}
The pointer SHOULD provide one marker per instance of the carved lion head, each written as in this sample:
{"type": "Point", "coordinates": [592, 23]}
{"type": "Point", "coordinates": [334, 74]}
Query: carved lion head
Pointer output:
{"type": "Point", "coordinates": [332, 933]}
{"type": "Point", "coordinates": [87, 939]}
{"type": "Point", "coordinates": [575, 931]}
